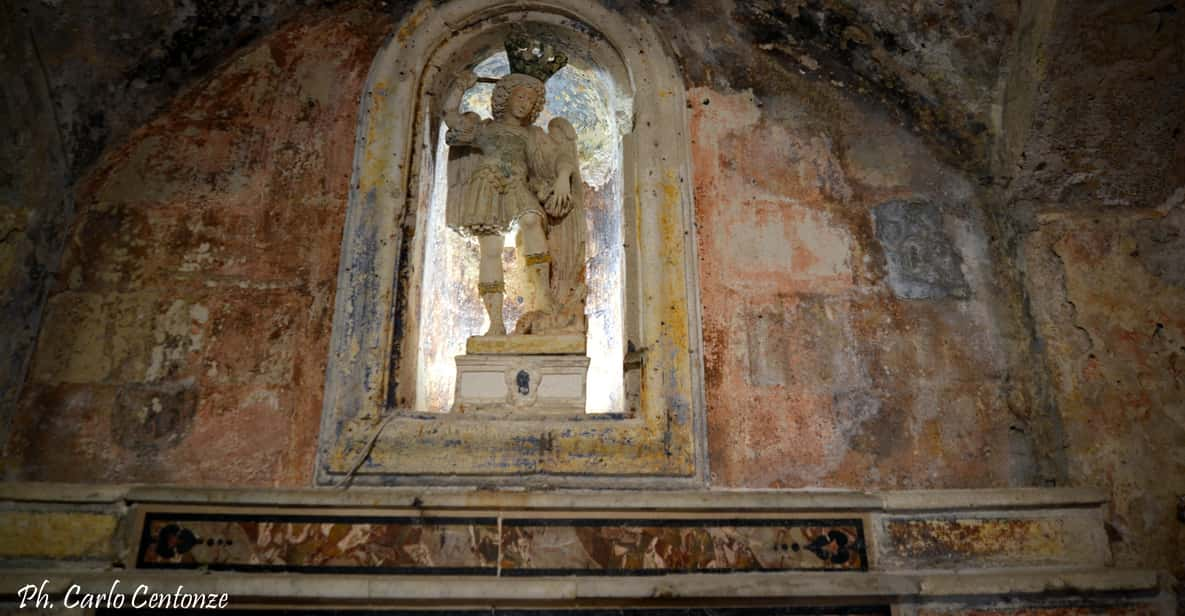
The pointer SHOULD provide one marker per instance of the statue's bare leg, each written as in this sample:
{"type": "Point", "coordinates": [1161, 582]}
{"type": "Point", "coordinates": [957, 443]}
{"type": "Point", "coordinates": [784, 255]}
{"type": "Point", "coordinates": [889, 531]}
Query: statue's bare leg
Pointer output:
{"type": "Point", "coordinates": [489, 282]}
{"type": "Point", "coordinates": [538, 259]}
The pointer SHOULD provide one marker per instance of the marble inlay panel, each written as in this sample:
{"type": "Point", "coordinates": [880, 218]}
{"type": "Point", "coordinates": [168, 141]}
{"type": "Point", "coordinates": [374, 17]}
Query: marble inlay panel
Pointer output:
{"type": "Point", "coordinates": [1094, 610]}
{"type": "Point", "coordinates": [944, 541]}
{"type": "Point", "coordinates": [662, 546]}
{"type": "Point", "coordinates": [319, 543]}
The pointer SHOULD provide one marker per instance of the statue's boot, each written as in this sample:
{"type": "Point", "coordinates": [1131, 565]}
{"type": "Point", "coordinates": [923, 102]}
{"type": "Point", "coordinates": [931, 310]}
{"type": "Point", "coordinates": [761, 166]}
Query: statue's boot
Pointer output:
{"type": "Point", "coordinates": [493, 304]}
{"type": "Point", "coordinates": [539, 272]}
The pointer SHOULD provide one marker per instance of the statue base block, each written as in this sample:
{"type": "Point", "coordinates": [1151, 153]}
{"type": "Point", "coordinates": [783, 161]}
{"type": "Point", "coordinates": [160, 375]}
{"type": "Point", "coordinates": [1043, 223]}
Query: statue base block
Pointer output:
{"type": "Point", "coordinates": [521, 385]}
{"type": "Point", "coordinates": [556, 344]}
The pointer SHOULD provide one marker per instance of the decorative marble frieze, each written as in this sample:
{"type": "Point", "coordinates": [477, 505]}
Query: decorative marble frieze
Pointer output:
{"type": "Point", "coordinates": [663, 546]}
{"type": "Point", "coordinates": [644, 553]}
{"type": "Point", "coordinates": [339, 543]}
{"type": "Point", "coordinates": [319, 543]}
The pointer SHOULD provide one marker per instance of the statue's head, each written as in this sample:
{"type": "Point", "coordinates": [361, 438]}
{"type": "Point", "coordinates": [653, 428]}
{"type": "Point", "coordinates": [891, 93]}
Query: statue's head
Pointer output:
{"type": "Point", "coordinates": [520, 97]}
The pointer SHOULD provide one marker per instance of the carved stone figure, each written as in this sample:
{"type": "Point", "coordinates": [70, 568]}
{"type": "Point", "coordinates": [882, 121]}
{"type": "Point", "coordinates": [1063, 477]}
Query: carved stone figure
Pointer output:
{"type": "Point", "coordinates": [506, 172]}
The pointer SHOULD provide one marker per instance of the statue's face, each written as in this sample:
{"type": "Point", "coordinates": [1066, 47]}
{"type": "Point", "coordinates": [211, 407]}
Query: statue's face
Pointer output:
{"type": "Point", "coordinates": [522, 100]}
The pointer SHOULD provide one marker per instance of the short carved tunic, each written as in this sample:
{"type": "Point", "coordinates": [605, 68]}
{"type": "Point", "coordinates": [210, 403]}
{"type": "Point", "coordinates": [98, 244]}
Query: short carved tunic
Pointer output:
{"type": "Point", "coordinates": [497, 189]}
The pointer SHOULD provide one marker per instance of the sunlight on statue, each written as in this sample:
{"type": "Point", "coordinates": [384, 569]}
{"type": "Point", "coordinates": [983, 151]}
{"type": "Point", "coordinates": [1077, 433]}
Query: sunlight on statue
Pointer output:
{"type": "Point", "coordinates": [505, 173]}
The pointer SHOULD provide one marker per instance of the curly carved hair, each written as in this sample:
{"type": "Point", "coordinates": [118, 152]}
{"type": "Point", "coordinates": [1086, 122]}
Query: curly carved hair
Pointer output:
{"type": "Point", "coordinates": [506, 86]}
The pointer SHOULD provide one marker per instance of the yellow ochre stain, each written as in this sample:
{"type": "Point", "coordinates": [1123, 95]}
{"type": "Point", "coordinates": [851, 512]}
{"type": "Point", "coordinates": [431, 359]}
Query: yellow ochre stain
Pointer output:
{"type": "Point", "coordinates": [413, 22]}
{"type": "Point", "coordinates": [55, 535]}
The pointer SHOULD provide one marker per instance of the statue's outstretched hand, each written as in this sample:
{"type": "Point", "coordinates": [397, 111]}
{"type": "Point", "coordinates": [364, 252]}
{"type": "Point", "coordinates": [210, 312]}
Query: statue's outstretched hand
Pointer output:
{"type": "Point", "coordinates": [561, 197]}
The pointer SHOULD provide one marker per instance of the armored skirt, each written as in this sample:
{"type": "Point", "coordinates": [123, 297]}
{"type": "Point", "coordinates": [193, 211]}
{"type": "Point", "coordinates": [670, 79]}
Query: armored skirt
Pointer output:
{"type": "Point", "coordinates": [490, 188]}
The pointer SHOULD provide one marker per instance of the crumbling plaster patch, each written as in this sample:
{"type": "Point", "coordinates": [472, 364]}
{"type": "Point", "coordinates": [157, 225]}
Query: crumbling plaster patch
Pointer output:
{"type": "Point", "coordinates": [199, 274]}
{"type": "Point", "coordinates": [1119, 338]}
{"type": "Point", "coordinates": [1092, 171]}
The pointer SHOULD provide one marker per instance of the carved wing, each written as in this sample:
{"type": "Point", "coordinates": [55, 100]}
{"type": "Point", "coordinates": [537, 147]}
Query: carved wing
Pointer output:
{"type": "Point", "coordinates": [563, 159]}
{"type": "Point", "coordinates": [568, 228]}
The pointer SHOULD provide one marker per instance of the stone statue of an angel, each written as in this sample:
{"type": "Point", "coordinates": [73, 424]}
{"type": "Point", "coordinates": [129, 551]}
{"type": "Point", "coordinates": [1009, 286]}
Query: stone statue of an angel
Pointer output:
{"type": "Point", "coordinates": [506, 172]}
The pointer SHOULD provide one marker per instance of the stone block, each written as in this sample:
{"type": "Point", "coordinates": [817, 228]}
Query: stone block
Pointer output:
{"type": "Point", "coordinates": [521, 385]}
{"type": "Point", "coordinates": [1115, 608]}
{"type": "Point", "coordinates": [559, 344]}
{"type": "Point", "coordinates": [984, 540]}
{"type": "Point", "coordinates": [62, 535]}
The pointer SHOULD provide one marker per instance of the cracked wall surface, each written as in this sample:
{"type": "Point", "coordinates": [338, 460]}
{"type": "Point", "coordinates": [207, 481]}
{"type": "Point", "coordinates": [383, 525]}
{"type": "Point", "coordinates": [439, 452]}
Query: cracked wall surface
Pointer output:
{"type": "Point", "coordinates": [1096, 195]}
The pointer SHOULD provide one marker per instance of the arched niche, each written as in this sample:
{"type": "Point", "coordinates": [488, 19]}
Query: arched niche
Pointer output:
{"type": "Point", "coordinates": [369, 434]}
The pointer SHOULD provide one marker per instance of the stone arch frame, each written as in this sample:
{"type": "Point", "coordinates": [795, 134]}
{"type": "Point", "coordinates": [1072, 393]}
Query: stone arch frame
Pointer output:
{"type": "Point", "coordinates": [364, 439]}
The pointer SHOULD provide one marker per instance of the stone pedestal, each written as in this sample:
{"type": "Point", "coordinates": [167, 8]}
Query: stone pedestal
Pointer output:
{"type": "Point", "coordinates": [559, 344]}
{"type": "Point", "coordinates": [522, 376]}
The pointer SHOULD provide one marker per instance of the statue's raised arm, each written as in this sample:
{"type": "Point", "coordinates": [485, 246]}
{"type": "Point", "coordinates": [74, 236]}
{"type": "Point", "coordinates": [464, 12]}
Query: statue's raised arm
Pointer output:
{"type": "Point", "coordinates": [452, 103]}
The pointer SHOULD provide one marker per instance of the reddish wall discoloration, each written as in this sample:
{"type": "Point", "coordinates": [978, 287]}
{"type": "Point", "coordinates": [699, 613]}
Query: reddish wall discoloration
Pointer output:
{"type": "Point", "coordinates": [187, 340]}
{"type": "Point", "coordinates": [816, 374]}
{"type": "Point", "coordinates": [1100, 170]}
{"type": "Point", "coordinates": [1117, 333]}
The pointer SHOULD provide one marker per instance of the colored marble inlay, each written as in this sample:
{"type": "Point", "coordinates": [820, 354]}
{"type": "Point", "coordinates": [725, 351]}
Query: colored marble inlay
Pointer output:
{"type": "Point", "coordinates": [320, 543]}
{"type": "Point", "coordinates": [660, 546]}
{"type": "Point", "coordinates": [939, 542]}
{"type": "Point", "coordinates": [1129, 610]}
